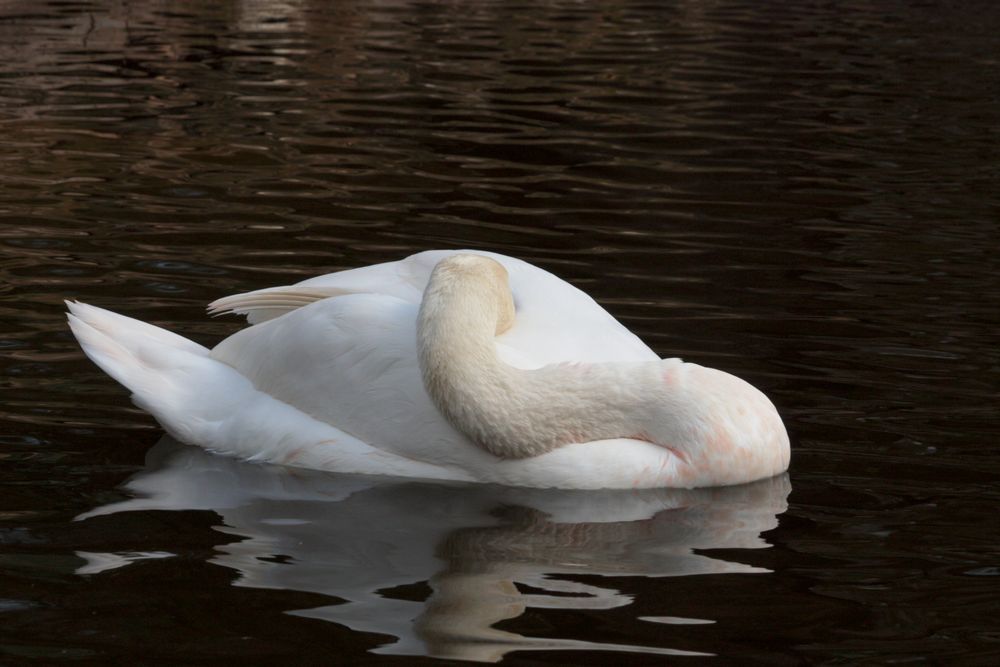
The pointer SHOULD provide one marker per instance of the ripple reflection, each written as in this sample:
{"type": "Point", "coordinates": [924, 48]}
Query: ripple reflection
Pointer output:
{"type": "Point", "coordinates": [486, 553]}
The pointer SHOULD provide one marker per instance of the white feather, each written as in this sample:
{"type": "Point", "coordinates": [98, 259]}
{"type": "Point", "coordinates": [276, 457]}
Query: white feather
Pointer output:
{"type": "Point", "coordinates": [329, 379]}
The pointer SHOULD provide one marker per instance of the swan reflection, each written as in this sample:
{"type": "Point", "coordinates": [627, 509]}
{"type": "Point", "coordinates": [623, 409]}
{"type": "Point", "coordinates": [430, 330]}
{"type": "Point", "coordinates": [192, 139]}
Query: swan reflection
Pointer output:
{"type": "Point", "coordinates": [487, 553]}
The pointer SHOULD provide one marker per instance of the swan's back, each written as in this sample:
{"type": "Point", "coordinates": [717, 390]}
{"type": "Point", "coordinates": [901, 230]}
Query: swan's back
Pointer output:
{"type": "Point", "coordinates": [555, 322]}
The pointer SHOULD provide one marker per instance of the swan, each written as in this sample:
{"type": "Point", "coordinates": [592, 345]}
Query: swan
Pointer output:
{"type": "Point", "coordinates": [466, 366]}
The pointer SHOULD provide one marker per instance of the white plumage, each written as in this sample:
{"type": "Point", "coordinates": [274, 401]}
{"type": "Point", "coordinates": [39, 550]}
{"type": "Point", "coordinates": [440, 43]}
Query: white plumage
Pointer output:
{"type": "Point", "coordinates": [329, 377]}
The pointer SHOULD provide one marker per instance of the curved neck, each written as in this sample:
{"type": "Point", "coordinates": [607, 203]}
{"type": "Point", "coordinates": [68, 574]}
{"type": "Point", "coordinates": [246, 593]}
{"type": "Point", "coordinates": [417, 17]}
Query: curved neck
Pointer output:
{"type": "Point", "coordinates": [512, 413]}
{"type": "Point", "coordinates": [721, 429]}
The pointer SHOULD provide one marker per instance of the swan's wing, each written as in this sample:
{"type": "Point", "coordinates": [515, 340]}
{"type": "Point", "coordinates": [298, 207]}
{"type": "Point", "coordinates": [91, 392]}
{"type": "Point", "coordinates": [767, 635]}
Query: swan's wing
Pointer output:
{"type": "Point", "coordinates": [266, 304]}
{"type": "Point", "coordinates": [404, 279]}
{"type": "Point", "coordinates": [351, 362]}
{"type": "Point", "coordinates": [556, 322]}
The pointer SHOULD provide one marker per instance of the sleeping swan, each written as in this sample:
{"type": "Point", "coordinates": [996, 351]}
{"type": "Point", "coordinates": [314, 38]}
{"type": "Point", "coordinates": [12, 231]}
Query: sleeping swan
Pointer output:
{"type": "Point", "coordinates": [452, 365]}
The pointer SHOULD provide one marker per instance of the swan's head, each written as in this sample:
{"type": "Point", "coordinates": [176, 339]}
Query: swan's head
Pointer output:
{"type": "Point", "coordinates": [718, 424]}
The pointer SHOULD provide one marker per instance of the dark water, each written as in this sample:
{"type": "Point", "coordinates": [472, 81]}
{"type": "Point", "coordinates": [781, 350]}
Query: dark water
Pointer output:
{"type": "Point", "coordinates": [804, 194]}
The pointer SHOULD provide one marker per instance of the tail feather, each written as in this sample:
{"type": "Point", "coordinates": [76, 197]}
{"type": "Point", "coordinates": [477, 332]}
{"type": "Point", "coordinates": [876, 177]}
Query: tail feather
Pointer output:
{"type": "Point", "coordinates": [128, 330]}
{"type": "Point", "coordinates": [103, 350]}
{"type": "Point", "coordinates": [194, 397]}
{"type": "Point", "coordinates": [144, 358]}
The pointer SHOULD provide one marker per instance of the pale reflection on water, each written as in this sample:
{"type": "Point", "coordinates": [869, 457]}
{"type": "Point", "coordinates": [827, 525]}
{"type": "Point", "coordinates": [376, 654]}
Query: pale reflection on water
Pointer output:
{"type": "Point", "coordinates": [487, 553]}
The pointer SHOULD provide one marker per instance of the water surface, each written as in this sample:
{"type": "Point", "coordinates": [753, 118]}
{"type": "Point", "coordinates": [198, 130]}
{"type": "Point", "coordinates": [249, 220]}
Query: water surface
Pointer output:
{"type": "Point", "coordinates": [802, 194]}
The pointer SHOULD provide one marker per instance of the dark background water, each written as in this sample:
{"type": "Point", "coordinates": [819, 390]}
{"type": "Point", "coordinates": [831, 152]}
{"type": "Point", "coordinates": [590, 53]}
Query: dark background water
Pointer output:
{"type": "Point", "coordinates": [803, 194]}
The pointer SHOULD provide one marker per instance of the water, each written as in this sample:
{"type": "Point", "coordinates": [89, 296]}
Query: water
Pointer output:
{"type": "Point", "coordinates": [802, 194]}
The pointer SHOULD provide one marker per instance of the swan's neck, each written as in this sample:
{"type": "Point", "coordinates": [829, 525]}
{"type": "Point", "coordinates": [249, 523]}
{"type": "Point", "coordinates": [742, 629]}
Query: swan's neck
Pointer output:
{"type": "Point", "coordinates": [723, 430]}
{"type": "Point", "coordinates": [510, 412]}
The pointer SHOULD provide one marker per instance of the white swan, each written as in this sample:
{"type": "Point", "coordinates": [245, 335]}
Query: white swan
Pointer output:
{"type": "Point", "coordinates": [452, 365]}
